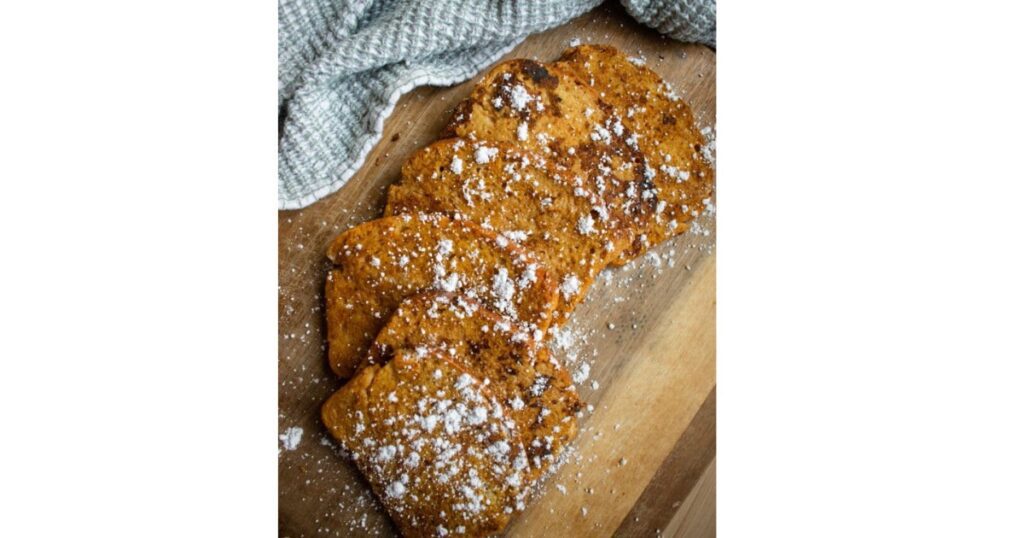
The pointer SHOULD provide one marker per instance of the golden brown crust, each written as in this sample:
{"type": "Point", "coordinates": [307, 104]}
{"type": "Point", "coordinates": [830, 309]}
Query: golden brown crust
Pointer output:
{"type": "Point", "coordinates": [522, 197]}
{"type": "Point", "coordinates": [516, 368]}
{"type": "Point", "coordinates": [664, 132]}
{"type": "Point", "coordinates": [438, 449]}
{"type": "Point", "coordinates": [383, 261]}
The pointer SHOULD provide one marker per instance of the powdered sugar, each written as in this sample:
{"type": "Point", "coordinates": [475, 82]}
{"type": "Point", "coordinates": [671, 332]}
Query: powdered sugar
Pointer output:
{"type": "Point", "coordinates": [520, 97]}
{"type": "Point", "coordinates": [517, 236]}
{"type": "Point", "coordinates": [444, 247]}
{"type": "Point", "coordinates": [585, 225]}
{"type": "Point", "coordinates": [386, 453]}
{"type": "Point", "coordinates": [291, 438]}
{"type": "Point", "coordinates": [601, 134]}
{"type": "Point", "coordinates": [570, 286]}
{"type": "Point", "coordinates": [484, 154]}
{"type": "Point", "coordinates": [397, 488]}
{"type": "Point", "coordinates": [503, 288]}
{"type": "Point", "coordinates": [448, 283]}
{"type": "Point", "coordinates": [463, 381]}
{"type": "Point", "coordinates": [516, 403]}
{"type": "Point", "coordinates": [675, 173]}
{"type": "Point", "coordinates": [581, 374]}
{"type": "Point", "coordinates": [529, 276]}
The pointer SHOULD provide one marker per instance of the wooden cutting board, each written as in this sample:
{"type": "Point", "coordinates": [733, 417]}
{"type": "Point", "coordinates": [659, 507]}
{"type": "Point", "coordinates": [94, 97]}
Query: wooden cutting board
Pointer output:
{"type": "Point", "coordinates": [644, 460]}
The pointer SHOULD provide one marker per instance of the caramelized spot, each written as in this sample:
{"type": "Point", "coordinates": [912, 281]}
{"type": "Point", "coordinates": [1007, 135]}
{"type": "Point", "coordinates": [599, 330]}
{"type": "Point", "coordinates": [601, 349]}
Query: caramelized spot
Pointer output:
{"type": "Point", "coordinates": [539, 74]}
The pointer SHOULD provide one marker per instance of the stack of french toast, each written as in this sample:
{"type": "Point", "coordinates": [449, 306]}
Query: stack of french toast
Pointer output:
{"type": "Point", "coordinates": [437, 313]}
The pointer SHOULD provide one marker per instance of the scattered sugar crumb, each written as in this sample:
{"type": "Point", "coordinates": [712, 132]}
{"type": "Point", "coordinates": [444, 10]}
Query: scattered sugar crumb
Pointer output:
{"type": "Point", "coordinates": [581, 374]}
{"type": "Point", "coordinates": [291, 438]}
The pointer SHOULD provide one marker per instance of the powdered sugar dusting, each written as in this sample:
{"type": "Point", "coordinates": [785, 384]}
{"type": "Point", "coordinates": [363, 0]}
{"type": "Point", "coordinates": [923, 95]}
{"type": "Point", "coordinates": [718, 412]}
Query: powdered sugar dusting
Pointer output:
{"type": "Point", "coordinates": [580, 344]}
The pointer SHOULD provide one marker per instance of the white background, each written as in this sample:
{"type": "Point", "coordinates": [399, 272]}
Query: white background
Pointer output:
{"type": "Point", "coordinates": [870, 262]}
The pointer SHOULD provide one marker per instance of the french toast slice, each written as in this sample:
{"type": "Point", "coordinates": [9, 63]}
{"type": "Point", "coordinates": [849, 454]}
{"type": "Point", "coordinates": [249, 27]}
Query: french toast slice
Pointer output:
{"type": "Point", "coordinates": [567, 225]}
{"type": "Point", "coordinates": [658, 123]}
{"type": "Point", "coordinates": [516, 368]}
{"type": "Point", "coordinates": [538, 106]}
{"type": "Point", "coordinates": [380, 262]}
{"type": "Point", "coordinates": [638, 138]}
{"type": "Point", "coordinates": [563, 120]}
{"type": "Point", "coordinates": [439, 451]}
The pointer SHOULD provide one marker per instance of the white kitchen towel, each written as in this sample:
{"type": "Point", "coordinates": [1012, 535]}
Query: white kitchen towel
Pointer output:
{"type": "Point", "coordinates": [343, 64]}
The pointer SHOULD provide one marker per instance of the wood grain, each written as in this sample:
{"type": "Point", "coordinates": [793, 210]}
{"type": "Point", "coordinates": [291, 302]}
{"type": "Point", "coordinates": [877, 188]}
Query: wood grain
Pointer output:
{"type": "Point", "coordinates": [677, 478]}
{"type": "Point", "coordinates": [696, 515]}
{"type": "Point", "coordinates": [644, 461]}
